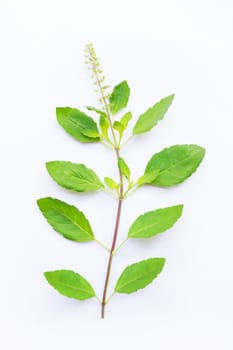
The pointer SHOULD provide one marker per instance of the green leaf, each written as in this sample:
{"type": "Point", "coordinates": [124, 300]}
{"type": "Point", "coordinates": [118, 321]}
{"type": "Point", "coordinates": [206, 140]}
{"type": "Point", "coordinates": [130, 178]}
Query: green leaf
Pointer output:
{"type": "Point", "coordinates": [119, 127]}
{"type": "Point", "coordinates": [66, 219]}
{"type": "Point", "coordinates": [123, 167]}
{"type": "Point", "coordinates": [125, 119]}
{"type": "Point", "coordinates": [175, 164]}
{"type": "Point", "coordinates": [119, 97]}
{"type": "Point", "coordinates": [104, 126]}
{"type": "Point", "coordinates": [73, 176]}
{"type": "Point", "coordinates": [111, 183]}
{"type": "Point", "coordinates": [93, 109]}
{"type": "Point", "coordinates": [71, 284]}
{"type": "Point", "coordinates": [154, 222]}
{"type": "Point", "coordinates": [148, 177]}
{"type": "Point", "coordinates": [139, 275]}
{"type": "Point", "coordinates": [150, 118]}
{"type": "Point", "coordinates": [79, 125]}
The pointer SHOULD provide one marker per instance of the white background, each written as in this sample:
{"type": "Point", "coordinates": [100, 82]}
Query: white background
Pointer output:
{"type": "Point", "coordinates": [160, 47]}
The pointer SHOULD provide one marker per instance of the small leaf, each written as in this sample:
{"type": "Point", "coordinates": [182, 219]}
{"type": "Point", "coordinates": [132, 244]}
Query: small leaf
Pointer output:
{"type": "Point", "coordinates": [119, 127]}
{"type": "Point", "coordinates": [79, 125]}
{"type": "Point", "coordinates": [175, 164]}
{"type": "Point", "coordinates": [125, 119]}
{"type": "Point", "coordinates": [148, 177]}
{"type": "Point", "coordinates": [104, 126]}
{"type": "Point", "coordinates": [139, 275]}
{"type": "Point", "coordinates": [119, 97]}
{"type": "Point", "coordinates": [149, 119]}
{"type": "Point", "coordinates": [73, 176]}
{"type": "Point", "coordinates": [111, 183]}
{"type": "Point", "coordinates": [66, 219]}
{"type": "Point", "coordinates": [71, 284]}
{"type": "Point", "coordinates": [123, 167]}
{"type": "Point", "coordinates": [154, 222]}
{"type": "Point", "coordinates": [93, 109]}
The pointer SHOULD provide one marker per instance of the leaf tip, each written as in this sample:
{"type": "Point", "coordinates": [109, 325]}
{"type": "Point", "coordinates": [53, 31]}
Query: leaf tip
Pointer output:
{"type": "Point", "coordinates": [46, 275]}
{"type": "Point", "coordinates": [49, 165]}
{"type": "Point", "coordinates": [172, 96]}
{"type": "Point", "coordinates": [39, 201]}
{"type": "Point", "coordinates": [180, 207]}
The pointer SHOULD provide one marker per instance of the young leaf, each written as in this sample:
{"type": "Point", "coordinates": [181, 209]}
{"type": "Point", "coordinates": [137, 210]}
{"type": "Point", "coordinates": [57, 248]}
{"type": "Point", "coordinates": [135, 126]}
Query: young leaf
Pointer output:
{"type": "Point", "coordinates": [139, 275]}
{"type": "Point", "coordinates": [125, 119]}
{"type": "Point", "coordinates": [76, 177]}
{"type": "Point", "coordinates": [93, 109]}
{"type": "Point", "coordinates": [150, 118]}
{"type": "Point", "coordinates": [104, 125]}
{"type": "Point", "coordinates": [148, 177]}
{"type": "Point", "coordinates": [71, 284]}
{"type": "Point", "coordinates": [123, 167]}
{"type": "Point", "coordinates": [66, 219]}
{"type": "Point", "coordinates": [79, 125]}
{"type": "Point", "coordinates": [119, 97]}
{"type": "Point", "coordinates": [119, 127]}
{"type": "Point", "coordinates": [175, 164]}
{"type": "Point", "coordinates": [154, 222]}
{"type": "Point", "coordinates": [111, 183]}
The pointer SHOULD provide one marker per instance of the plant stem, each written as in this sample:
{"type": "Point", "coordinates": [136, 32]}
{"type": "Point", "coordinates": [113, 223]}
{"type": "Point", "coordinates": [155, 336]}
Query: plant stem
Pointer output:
{"type": "Point", "coordinates": [118, 216]}
{"type": "Point", "coordinates": [92, 60]}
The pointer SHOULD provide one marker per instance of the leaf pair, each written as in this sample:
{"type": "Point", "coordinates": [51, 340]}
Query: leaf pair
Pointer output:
{"type": "Point", "coordinates": [133, 278]}
{"type": "Point", "coordinates": [147, 120]}
{"type": "Point", "coordinates": [124, 170]}
{"type": "Point", "coordinates": [71, 223]}
{"type": "Point", "coordinates": [83, 128]}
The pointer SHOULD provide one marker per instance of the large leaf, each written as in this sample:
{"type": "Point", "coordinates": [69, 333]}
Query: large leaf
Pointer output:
{"type": "Point", "coordinates": [78, 124]}
{"type": "Point", "coordinates": [119, 97]}
{"type": "Point", "coordinates": [139, 275]}
{"type": "Point", "coordinates": [70, 284]}
{"type": "Point", "coordinates": [150, 118]}
{"type": "Point", "coordinates": [73, 176]}
{"type": "Point", "coordinates": [148, 177]}
{"type": "Point", "coordinates": [175, 164]}
{"type": "Point", "coordinates": [66, 219]}
{"type": "Point", "coordinates": [154, 222]}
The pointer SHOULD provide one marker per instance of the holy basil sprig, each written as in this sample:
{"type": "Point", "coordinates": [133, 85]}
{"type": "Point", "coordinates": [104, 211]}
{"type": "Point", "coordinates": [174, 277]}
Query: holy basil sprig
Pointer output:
{"type": "Point", "coordinates": [169, 167]}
